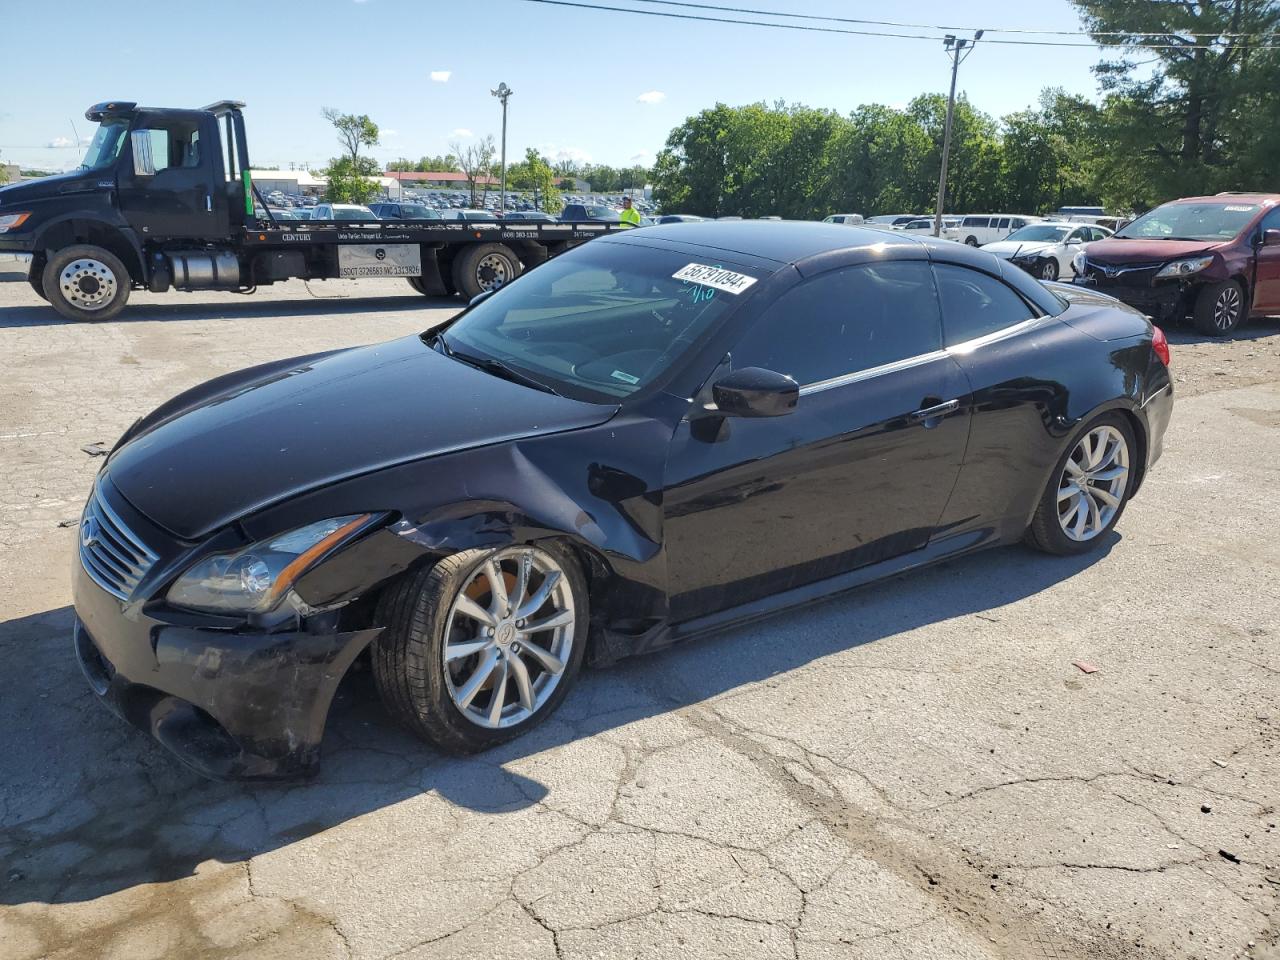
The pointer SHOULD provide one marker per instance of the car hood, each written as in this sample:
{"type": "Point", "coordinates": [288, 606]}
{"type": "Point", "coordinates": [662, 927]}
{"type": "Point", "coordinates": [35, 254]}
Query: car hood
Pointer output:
{"type": "Point", "coordinates": [1008, 248]}
{"type": "Point", "coordinates": [212, 456]}
{"type": "Point", "coordinates": [1118, 250]}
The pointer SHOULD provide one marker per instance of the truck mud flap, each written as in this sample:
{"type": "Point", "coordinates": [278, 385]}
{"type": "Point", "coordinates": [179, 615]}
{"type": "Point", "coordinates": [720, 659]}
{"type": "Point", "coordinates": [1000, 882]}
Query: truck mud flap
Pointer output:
{"type": "Point", "coordinates": [432, 283]}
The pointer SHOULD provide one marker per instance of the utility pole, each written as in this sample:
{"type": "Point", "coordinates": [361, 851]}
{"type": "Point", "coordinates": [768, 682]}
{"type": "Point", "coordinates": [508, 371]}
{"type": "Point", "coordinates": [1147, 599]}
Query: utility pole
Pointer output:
{"type": "Point", "coordinates": [502, 93]}
{"type": "Point", "coordinates": [956, 51]}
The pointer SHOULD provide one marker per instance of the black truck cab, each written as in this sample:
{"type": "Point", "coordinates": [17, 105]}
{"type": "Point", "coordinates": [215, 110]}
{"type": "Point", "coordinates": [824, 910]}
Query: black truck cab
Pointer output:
{"type": "Point", "coordinates": [164, 200]}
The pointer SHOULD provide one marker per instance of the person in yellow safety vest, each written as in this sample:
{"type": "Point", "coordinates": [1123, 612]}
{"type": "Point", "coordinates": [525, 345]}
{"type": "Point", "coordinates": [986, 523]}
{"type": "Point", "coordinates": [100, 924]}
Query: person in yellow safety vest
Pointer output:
{"type": "Point", "coordinates": [628, 214]}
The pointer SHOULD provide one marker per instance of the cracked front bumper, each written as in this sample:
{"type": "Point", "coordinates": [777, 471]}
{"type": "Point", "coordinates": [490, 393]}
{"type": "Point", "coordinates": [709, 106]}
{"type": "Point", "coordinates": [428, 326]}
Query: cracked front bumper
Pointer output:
{"type": "Point", "coordinates": [232, 705]}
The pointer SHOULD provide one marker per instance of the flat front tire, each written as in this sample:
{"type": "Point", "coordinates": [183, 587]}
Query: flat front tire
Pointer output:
{"type": "Point", "coordinates": [1088, 489]}
{"type": "Point", "coordinates": [482, 646]}
{"type": "Point", "coordinates": [85, 282]}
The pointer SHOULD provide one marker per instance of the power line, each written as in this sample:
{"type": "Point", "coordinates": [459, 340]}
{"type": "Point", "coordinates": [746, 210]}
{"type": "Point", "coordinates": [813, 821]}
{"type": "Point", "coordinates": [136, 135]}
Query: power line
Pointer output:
{"type": "Point", "coordinates": [878, 33]}
{"type": "Point", "coordinates": [935, 26]}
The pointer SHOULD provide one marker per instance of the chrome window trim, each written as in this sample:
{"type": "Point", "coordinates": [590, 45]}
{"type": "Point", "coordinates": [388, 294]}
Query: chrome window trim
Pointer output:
{"type": "Point", "coordinates": [968, 346]}
{"type": "Point", "coordinates": [905, 364]}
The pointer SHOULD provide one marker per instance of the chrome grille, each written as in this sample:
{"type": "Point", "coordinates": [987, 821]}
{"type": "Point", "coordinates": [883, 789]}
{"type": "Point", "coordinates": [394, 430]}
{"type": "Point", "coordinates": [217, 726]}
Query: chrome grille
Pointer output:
{"type": "Point", "coordinates": [112, 555]}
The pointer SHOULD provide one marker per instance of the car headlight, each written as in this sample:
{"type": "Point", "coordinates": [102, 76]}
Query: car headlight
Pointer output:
{"type": "Point", "coordinates": [1078, 263]}
{"type": "Point", "coordinates": [255, 578]}
{"type": "Point", "coordinates": [1184, 268]}
{"type": "Point", "coordinates": [12, 221]}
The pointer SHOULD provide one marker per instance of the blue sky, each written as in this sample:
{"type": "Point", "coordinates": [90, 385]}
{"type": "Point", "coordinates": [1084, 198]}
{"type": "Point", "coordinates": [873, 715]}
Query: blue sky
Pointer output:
{"type": "Point", "coordinates": [598, 86]}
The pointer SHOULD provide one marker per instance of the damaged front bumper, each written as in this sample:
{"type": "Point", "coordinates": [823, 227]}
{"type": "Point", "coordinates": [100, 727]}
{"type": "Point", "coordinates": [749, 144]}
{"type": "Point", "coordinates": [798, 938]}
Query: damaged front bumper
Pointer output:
{"type": "Point", "coordinates": [231, 704]}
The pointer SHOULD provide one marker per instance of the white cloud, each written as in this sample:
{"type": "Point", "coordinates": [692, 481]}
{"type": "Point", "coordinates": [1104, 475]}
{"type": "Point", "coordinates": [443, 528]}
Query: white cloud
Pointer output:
{"type": "Point", "coordinates": [383, 131]}
{"type": "Point", "coordinates": [462, 132]}
{"type": "Point", "coordinates": [576, 154]}
{"type": "Point", "coordinates": [441, 76]}
{"type": "Point", "coordinates": [60, 142]}
{"type": "Point", "coordinates": [651, 97]}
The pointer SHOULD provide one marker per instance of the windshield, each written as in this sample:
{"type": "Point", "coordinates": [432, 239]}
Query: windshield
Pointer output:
{"type": "Point", "coordinates": [1192, 221]}
{"type": "Point", "coordinates": [105, 145]}
{"type": "Point", "coordinates": [415, 211]}
{"type": "Point", "coordinates": [1039, 232]}
{"type": "Point", "coordinates": [353, 213]}
{"type": "Point", "coordinates": [601, 321]}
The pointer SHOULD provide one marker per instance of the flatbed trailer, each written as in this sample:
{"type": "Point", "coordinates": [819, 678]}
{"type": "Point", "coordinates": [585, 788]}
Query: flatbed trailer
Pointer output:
{"type": "Point", "coordinates": [165, 201]}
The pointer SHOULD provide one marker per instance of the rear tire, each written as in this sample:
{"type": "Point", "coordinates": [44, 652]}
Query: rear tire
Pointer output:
{"type": "Point", "coordinates": [1219, 308]}
{"type": "Point", "coordinates": [424, 691]}
{"type": "Point", "coordinates": [484, 266]}
{"type": "Point", "coordinates": [86, 283]}
{"type": "Point", "coordinates": [971, 241]}
{"type": "Point", "coordinates": [1095, 475]}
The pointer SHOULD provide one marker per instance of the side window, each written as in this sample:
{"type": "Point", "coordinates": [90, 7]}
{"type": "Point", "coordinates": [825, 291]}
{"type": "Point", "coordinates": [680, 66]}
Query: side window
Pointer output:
{"type": "Point", "coordinates": [1270, 222]}
{"type": "Point", "coordinates": [974, 304]}
{"type": "Point", "coordinates": [1084, 233]}
{"type": "Point", "coordinates": [1003, 224]}
{"type": "Point", "coordinates": [847, 320]}
{"type": "Point", "coordinates": [177, 146]}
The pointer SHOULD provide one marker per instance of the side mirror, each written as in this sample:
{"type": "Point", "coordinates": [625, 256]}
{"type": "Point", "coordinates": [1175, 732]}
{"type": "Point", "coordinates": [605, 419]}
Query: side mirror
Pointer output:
{"type": "Point", "coordinates": [143, 163]}
{"type": "Point", "coordinates": [755, 392]}
{"type": "Point", "coordinates": [1074, 241]}
{"type": "Point", "coordinates": [1271, 238]}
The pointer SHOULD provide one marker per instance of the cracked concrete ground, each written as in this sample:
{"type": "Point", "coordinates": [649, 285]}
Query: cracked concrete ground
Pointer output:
{"type": "Point", "coordinates": [914, 770]}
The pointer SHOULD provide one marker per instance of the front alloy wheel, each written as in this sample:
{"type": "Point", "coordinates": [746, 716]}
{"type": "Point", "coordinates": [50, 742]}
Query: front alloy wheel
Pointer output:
{"type": "Point", "coordinates": [1049, 269]}
{"type": "Point", "coordinates": [1219, 308]}
{"type": "Point", "coordinates": [509, 635]}
{"type": "Point", "coordinates": [483, 645]}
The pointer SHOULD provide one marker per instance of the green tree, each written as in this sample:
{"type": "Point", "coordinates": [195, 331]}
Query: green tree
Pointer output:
{"type": "Point", "coordinates": [1189, 124]}
{"type": "Point", "coordinates": [351, 181]}
{"type": "Point", "coordinates": [535, 175]}
{"type": "Point", "coordinates": [350, 176]}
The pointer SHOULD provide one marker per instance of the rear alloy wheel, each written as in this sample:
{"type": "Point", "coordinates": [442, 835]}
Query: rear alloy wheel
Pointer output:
{"type": "Point", "coordinates": [1089, 489]}
{"type": "Point", "coordinates": [484, 266]}
{"type": "Point", "coordinates": [482, 646]}
{"type": "Point", "coordinates": [1049, 269]}
{"type": "Point", "coordinates": [86, 283]}
{"type": "Point", "coordinates": [1219, 308]}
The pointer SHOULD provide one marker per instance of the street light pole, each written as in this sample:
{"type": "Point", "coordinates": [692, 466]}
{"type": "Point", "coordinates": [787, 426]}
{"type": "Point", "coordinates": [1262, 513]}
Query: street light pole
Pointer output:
{"type": "Point", "coordinates": [955, 50]}
{"type": "Point", "coordinates": [502, 93]}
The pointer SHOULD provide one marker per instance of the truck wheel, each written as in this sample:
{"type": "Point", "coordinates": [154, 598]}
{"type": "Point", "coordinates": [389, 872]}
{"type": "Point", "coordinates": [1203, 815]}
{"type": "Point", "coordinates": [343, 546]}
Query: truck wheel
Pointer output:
{"type": "Point", "coordinates": [1219, 308]}
{"type": "Point", "coordinates": [484, 266]}
{"type": "Point", "coordinates": [416, 283]}
{"type": "Point", "coordinates": [86, 283]}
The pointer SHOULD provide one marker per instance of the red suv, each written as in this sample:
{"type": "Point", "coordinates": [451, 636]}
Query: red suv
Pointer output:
{"type": "Point", "coordinates": [1215, 259]}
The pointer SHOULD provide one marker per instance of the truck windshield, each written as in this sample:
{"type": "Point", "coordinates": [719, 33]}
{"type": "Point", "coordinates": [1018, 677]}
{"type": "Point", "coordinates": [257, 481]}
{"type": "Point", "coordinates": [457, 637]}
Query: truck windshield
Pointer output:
{"type": "Point", "coordinates": [1191, 221]}
{"type": "Point", "coordinates": [601, 321]}
{"type": "Point", "coordinates": [105, 145]}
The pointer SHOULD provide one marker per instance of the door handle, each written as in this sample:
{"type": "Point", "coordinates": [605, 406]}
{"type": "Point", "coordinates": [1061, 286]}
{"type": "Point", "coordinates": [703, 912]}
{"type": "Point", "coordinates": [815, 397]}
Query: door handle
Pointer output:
{"type": "Point", "coordinates": [208, 203]}
{"type": "Point", "coordinates": [932, 413]}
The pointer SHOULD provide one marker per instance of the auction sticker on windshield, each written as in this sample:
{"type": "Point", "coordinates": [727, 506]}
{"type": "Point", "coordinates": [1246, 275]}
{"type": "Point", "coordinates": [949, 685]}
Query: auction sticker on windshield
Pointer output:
{"type": "Point", "coordinates": [380, 260]}
{"type": "Point", "coordinates": [717, 277]}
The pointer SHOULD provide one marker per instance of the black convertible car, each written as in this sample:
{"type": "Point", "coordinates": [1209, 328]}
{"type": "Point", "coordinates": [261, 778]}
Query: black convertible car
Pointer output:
{"type": "Point", "coordinates": [651, 435]}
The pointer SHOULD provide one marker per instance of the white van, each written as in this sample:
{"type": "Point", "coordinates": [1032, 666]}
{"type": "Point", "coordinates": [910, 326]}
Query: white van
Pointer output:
{"type": "Point", "coordinates": [978, 228]}
{"type": "Point", "coordinates": [848, 219]}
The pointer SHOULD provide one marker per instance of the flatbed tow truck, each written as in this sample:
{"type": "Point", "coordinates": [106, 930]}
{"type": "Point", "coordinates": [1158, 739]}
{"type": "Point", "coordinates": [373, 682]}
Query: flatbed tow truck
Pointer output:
{"type": "Point", "coordinates": [165, 201]}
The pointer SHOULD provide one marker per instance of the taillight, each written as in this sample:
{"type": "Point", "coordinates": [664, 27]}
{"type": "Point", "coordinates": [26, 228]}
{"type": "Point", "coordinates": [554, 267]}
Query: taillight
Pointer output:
{"type": "Point", "coordinates": [1160, 344]}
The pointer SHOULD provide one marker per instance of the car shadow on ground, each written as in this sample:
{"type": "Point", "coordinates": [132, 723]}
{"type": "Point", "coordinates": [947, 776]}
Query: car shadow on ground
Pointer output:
{"type": "Point", "coordinates": [39, 314]}
{"type": "Point", "coordinates": [89, 806]}
{"type": "Point", "coordinates": [1181, 334]}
